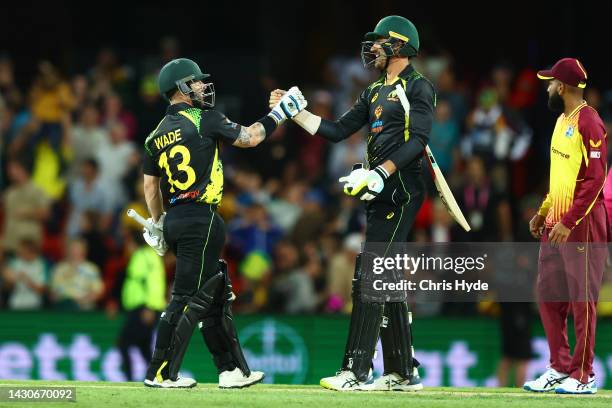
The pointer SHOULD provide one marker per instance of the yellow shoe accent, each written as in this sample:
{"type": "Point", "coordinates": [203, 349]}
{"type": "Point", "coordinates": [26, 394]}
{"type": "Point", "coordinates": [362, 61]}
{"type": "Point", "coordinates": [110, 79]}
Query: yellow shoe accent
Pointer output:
{"type": "Point", "coordinates": [390, 215]}
{"type": "Point", "coordinates": [158, 375]}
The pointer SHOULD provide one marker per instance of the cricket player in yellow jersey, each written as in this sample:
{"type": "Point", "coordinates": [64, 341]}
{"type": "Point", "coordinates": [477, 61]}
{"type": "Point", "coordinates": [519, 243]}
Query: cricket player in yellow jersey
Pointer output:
{"type": "Point", "coordinates": [570, 220]}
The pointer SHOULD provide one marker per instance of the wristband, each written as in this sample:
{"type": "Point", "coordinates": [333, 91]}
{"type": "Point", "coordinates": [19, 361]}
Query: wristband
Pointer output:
{"type": "Point", "coordinates": [269, 124]}
{"type": "Point", "coordinates": [380, 170]}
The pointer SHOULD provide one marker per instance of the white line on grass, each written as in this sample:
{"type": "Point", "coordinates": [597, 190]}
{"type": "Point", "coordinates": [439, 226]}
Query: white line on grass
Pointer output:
{"type": "Point", "coordinates": [213, 387]}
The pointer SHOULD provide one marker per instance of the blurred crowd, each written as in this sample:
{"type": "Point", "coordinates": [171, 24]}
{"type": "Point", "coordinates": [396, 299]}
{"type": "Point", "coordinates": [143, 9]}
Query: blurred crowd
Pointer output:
{"type": "Point", "coordinates": [71, 150]}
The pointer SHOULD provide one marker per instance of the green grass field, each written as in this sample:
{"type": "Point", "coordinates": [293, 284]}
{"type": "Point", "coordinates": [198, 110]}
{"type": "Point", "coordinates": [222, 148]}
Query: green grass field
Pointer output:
{"type": "Point", "coordinates": [128, 395]}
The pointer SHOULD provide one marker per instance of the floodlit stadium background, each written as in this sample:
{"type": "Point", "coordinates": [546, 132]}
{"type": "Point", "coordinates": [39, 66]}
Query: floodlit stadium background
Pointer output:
{"type": "Point", "coordinates": [292, 235]}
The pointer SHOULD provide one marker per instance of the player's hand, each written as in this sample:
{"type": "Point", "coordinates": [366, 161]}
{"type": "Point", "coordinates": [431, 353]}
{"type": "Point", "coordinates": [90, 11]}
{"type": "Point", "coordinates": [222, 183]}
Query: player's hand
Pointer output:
{"type": "Point", "coordinates": [349, 181]}
{"type": "Point", "coordinates": [290, 104]}
{"type": "Point", "coordinates": [160, 222]}
{"type": "Point", "coordinates": [275, 97]}
{"type": "Point", "coordinates": [536, 226]}
{"type": "Point", "coordinates": [558, 235]}
{"type": "Point", "coordinates": [368, 185]}
{"type": "Point", "coordinates": [155, 237]}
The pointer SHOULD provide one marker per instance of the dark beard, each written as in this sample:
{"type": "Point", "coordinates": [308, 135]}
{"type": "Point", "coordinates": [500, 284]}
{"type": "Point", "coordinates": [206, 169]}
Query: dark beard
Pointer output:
{"type": "Point", "coordinates": [555, 103]}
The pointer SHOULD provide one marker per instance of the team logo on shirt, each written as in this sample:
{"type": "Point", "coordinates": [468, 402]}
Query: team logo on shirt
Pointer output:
{"type": "Point", "coordinates": [378, 124]}
{"type": "Point", "coordinates": [392, 96]}
{"type": "Point", "coordinates": [569, 132]}
{"type": "Point", "coordinates": [378, 111]}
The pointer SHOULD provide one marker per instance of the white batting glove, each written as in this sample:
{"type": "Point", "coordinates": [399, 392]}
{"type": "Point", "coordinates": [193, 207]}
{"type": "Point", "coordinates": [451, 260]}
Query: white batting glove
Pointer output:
{"type": "Point", "coordinates": [155, 237]}
{"type": "Point", "coordinates": [367, 185]}
{"type": "Point", "coordinates": [292, 103]}
{"type": "Point", "coordinates": [349, 181]}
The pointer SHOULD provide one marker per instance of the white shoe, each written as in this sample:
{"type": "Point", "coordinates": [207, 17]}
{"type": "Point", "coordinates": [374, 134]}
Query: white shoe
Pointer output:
{"type": "Point", "coordinates": [181, 382]}
{"type": "Point", "coordinates": [573, 386]}
{"type": "Point", "coordinates": [394, 382]}
{"type": "Point", "coordinates": [546, 382]}
{"type": "Point", "coordinates": [343, 381]}
{"type": "Point", "coordinates": [236, 379]}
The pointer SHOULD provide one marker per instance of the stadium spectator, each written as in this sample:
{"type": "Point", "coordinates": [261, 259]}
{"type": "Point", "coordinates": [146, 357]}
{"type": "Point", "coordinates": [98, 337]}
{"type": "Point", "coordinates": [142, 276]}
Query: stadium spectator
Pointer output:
{"type": "Point", "coordinates": [87, 137]}
{"type": "Point", "coordinates": [151, 107]}
{"type": "Point", "coordinates": [311, 224]}
{"type": "Point", "coordinates": [285, 209]}
{"type": "Point", "coordinates": [501, 78]}
{"type": "Point", "coordinates": [99, 245]}
{"type": "Point", "coordinates": [116, 157]}
{"type": "Point", "coordinates": [292, 289]}
{"type": "Point", "coordinates": [9, 91]}
{"type": "Point", "coordinates": [82, 97]}
{"type": "Point", "coordinates": [87, 193]}
{"type": "Point", "coordinates": [75, 281]}
{"type": "Point", "coordinates": [487, 209]}
{"type": "Point", "coordinates": [448, 90]}
{"type": "Point", "coordinates": [444, 136]}
{"type": "Point", "coordinates": [340, 273]}
{"type": "Point", "coordinates": [25, 277]}
{"type": "Point", "coordinates": [51, 102]}
{"type": "Point", "coordinates": [26, 207]}
{"type": "Point", "coordinates": [115, 113]}
{"type": "Point", "coordinates": [253, 231]}
{"type": "Point", "coordinates": [109, 75]}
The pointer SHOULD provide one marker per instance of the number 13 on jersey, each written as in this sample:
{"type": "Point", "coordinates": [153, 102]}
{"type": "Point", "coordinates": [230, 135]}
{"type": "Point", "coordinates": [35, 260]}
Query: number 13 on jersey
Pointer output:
{"type": "Point", "coordinates": [182, 166]}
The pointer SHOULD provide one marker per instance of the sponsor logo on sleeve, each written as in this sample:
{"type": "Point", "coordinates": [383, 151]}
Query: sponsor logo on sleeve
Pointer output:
{"type": "Point", "coordinates": [596, 144]}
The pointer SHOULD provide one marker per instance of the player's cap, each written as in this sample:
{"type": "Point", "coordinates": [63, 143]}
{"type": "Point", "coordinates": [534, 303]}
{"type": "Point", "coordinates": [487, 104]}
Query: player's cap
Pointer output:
{"type": "Point", "coordinates": [567, 70]}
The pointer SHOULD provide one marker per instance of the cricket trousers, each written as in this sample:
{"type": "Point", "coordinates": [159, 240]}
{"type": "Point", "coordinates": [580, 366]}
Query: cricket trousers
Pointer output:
{"type": "Point", "coordinates": [196, 235]}
{"type": "Point", "coordinates": [391, 215]}
{"type": "Point", "coordinates": [569, 279]}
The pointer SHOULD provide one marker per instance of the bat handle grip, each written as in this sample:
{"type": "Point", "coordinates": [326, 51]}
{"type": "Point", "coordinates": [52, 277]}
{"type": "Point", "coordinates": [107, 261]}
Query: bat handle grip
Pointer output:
{"type": "Point", "coordinates": [139, 219]}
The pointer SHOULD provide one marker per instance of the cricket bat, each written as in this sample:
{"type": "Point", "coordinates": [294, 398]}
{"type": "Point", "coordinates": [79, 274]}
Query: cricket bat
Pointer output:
{"type": "Point", "coordinates": [441, 185]}
{"type": "Point", "coordinates": [140, 219]}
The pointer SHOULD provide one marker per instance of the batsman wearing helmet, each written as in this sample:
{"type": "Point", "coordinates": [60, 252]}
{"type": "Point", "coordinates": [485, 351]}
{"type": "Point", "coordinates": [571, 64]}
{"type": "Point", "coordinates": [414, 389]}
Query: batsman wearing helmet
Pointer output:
{"type": "Point", "coordinates": [184, 175]}
{"type": "Point", "coordinates": [393, 189]}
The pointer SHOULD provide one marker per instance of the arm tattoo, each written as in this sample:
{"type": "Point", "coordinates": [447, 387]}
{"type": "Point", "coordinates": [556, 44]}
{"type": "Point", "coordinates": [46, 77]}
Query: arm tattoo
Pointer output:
{"type": "Point", "coordinates": [251, 136]}
{"type": "Point", "coordinates": [244, 138]}
{"type": "Point", "coordinates": [260, 131]}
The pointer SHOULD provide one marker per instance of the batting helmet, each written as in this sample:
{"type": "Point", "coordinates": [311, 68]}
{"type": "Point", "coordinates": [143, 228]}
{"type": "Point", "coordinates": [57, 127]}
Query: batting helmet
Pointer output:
{"type": "Point", "coordinates": [399, 28]}
{"type": "Point", "coordinates": [176, 74]}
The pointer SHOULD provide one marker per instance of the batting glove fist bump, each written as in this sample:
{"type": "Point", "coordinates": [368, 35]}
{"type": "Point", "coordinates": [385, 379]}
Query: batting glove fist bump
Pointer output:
{"type": "Point", "coordinates": [365, 184]}
{"type": "Point", "coordinates": [290, 104]}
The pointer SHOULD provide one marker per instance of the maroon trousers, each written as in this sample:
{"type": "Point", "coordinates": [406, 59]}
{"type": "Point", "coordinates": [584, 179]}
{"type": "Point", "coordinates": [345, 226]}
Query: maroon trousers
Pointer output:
{"type": "Point", "coordinates": [569, 279]}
